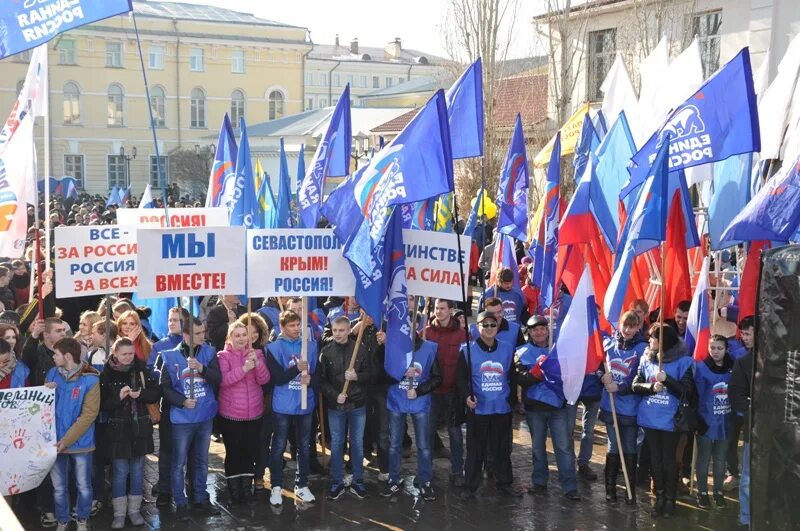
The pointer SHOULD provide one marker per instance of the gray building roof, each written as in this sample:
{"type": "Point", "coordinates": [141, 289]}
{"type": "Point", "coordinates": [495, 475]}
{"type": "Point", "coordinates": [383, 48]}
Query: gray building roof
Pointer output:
{"type": "Point", "coordinates": [201, 13]}
{"type": "Point", "coordinates": [332, 52]}
{"type": "Point", "coordinates": [413, 86]}
{"type": "Point", "coordinates": [315, 122]}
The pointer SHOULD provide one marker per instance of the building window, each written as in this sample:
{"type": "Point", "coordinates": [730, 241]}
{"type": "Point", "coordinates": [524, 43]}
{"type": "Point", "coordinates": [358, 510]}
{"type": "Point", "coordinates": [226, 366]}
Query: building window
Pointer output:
{"type": "Point", "coordinates": [388, 82]}
{"type": "Point", "coordinates": [116, 171]}
{"type": "Point", "coordinates": [350, 79]}
{"type": "Point", "coordinates": [114, 54]}
{"type": "Point", "coordinates": [23, 57]}
{"type": "Point", "coordinates": [115, 101]}
{"type": "Point", "coordinates": [237, 107]}
{"type": "Point", "coordinates": [309, 79]}
{"type": "Point", "coordinates": [156, 57]}
{"type": "Point", "coordinates": [602, 52]}
{"type": "Point", "coordinates": [337, 80]}
{"type": "Point", "coordinates": [323, 102]}
{"type": "Point", "coordinates": [72, 104]}
{"type": "Point", "coordinates": [362, 81]}
{"type": "Point", "coordinates": [323, 79]}
{"type": "Point", "coordinates": [237, 61]}
{"type": "Point", "coordinates": [196, 60]}
{"type": "Point", "coordinates": [309, 104]}
{"type": "Point", "coordinates": [275, 105]}
{"type": "Point", "coordinates": [198, 108]}
{"type": "Point", "coordinates": [376, 82]}
{"type": "Point", "coordinates": [706, 28]}
{"type": "Point", "coordinates": [158, 103]}
{"type": "Point", "coordinates": [73, 167]}
{"type": "Point", "coordinates": [401, 80]}
{"type": "Point", "coordinates": [156, 180]}
{"type": "Point", "coordinates": [66, 52]}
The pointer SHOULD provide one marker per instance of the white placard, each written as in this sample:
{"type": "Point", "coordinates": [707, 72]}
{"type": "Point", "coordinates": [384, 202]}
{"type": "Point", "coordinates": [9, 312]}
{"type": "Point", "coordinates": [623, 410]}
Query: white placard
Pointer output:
{"type": "Point", "coordinates": [306, 262]}
{"type": "Point", "coordinates": [178, 217]}
{"type": "Point", "coordinates": [432, 265]}
{"type": "Point", "coordinates": [28, 447]}
{"type": "Point", "coordinates": [95, 260]}
{"type": "Point", "coordinates": [201, 261]}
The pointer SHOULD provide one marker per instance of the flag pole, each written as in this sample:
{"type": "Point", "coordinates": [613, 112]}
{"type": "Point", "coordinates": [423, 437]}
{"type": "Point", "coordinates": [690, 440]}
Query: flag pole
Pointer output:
{"type": "Point", "coordinates": [463, 291]}
{"type": "Point", "coordinates": [304, 349]}
{"type": "Point", "coordinates": [628, 489]}
{"type": "Point", "coordinates": [661, 308]}
{"type": "Point", "coordinates": [46, 173]}
{"type": "Point", "coordinates": [482, 215]}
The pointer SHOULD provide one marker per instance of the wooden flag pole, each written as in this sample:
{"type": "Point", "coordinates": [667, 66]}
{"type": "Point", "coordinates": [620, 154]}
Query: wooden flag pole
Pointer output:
{"type": "Point", "coordinates": [628, 489]}
{"type": "Point", "coordinates": [355, 354]}
{"type": "Point", "coordinates": [304, 349]}
{"type": "Point", "coordinates": [661, 308]}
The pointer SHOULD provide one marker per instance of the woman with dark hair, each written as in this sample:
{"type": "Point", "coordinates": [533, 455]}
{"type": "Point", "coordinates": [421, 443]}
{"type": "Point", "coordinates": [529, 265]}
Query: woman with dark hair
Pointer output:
{"type": "Point", "coordinates": [13, 372]}
{"type": "Point", "coordinates": [10, 334]}
{"type": "Point", "coordinates": [663, 378]}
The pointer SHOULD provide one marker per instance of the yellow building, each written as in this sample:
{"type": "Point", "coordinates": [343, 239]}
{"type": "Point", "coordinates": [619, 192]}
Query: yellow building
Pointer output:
{"type": "Point", "coordinates": [200, 61]}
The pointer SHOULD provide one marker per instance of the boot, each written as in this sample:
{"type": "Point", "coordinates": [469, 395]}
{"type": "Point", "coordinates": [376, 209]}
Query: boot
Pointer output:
{"type": "Point", "coordinates": [612, 466]}
{"type": "Point", "coordinates": [235, 489]}
{"type": "Point", "coordinates": [669, 507]}
{"type": "Point", "coordinates": [247, 490]}
{"type": "Point", "coordinates": [658, 506]}
{"type": "Point", "coordinates": [120, 506]}
{"type": "Point", "coordinates": [630, 465]}
{"type": "Point", "coordinates": [134, 510]}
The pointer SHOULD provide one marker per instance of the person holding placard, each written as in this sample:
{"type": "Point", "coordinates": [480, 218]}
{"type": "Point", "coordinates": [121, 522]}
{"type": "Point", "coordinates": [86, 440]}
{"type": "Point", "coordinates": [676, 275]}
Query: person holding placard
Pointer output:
{"type": "Point", "coordinates": [289, 373]}
{"type": "Point", "coordinates": [188, 383]}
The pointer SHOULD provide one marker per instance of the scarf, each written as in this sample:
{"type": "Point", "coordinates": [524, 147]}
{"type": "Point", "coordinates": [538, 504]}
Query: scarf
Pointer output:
{"type": "Point", "coordinates": [117, 366]}
{"type": "Point", "coordinates": [9, 367]}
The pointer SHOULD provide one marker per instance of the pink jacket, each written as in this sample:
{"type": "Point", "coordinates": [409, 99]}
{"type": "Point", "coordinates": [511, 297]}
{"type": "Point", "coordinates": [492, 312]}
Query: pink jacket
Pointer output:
{"type": "Point", "coordinates": [240, 394]}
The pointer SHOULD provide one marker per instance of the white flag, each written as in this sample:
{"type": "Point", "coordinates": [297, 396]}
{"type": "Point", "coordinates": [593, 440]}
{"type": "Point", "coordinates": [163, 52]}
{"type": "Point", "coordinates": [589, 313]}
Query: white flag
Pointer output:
{"type": "Point", "coordinates": [774, 105]}
{"type": "Point", "coordinates": [147, 198]}
{"type": "Point", "coordinates": [618, 94]}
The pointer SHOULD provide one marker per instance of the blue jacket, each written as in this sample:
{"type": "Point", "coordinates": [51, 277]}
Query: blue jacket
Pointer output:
{"type": "Point", "coordinates": [657, 410]}
{"type": "Point", "coordinates": [491, 372]}
{"type": "Point", "coordinates": [713, 403]}
{"type": "Point", "coordinates": [623, 358]}
{"type": "Point", "coordinates": [513, 302]}
{"type": "Point", "coordinates": [736, 348]}
{"type": "Point", "coordinates": [284, 353]}
{"type": "Point", "coordinates": [544, 391]}
{"type": "Point", "coordinates": [166, 343]}
{"type": "Point", "coordinates": [77, 405]}
{"type": "Point", "coordinates": [20, 374]}
{"type": "Point", "coordinates": [176, 382]}
{"type": "Point", "coordinates": [426, 378]}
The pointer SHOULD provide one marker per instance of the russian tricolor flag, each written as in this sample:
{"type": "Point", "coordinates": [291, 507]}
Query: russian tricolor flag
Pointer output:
{"type": "Point", "coordinates": [698, 329]}
{"type": "Point", "coordinates": [579, 347]}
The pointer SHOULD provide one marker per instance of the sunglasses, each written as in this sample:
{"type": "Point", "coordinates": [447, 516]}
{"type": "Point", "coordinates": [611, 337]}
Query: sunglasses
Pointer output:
{"type": "Point", "coordinates": [488, 325]}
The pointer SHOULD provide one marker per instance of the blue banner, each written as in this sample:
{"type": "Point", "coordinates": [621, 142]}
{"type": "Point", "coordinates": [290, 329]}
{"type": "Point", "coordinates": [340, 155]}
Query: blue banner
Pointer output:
{"type": "Point", "coordinates": [512, 191]}
{"type": "Point", "coordinates": [25, 24]}
{"type": "Point", "coordinates": [465, 113]}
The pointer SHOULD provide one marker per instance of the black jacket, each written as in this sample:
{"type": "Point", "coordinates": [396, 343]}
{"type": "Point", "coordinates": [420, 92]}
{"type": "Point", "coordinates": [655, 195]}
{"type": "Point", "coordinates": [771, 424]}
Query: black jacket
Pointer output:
{"type": "Point", "coordinates": [676, 387]}
{"type": "Point", "coordinates": [740, 388]}
{"type": "Point", "coordinates": [130, 429]}
{"type": "Point", "coordinates": [217, 324]}
{"type": "Point", "coordinates": [39, 360]}
{"type": "Point", "coordinates": [333, 361]}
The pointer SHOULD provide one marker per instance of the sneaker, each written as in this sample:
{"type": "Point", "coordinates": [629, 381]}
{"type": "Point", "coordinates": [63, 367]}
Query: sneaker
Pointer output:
{"type": "Point", "coordinates": [703, 501]}
{"type": "Point", "coordinates": [383, 477]}
{"type": "Point", "coordinates": [97, 506]}
{"type": "Point", "coordinates": [48, 520]}
{"type": "Point", "coordinates": [573, 495]}
{"type": "Point", "coordinates": [336, 492]}
{"type": "Point", "coordinates": [258, 484]}
{"type": "Point", "coordinates": [359, 490]}
{"type": "Point", "coordinates": [182, 513]}
{"type": "Point", "coordinates": [276, 497]}
{"type": "Point", "coordinates": [586, 472]}
{"type": "Point", "coordinates": [216, 437]}
{"type": "Point", "coordinates": [392, 489]}
{"type": "Point", "coordinates": [60, 526]}
{"type": "Point", "coordinates": [427, 492]}
{"type": "Point", "coordinates": [82, 525]}
{"type": "Point", "coordinates": [719, 500]}
{"type": "Point", "coordinates": [206, 508]}
{"type": "Point", "coordinates": [304, 495]}
{"type": "Point", "coordinates": [347, 480]}
{"type": "Point", "coordinates": [730, 483]}
{"type": "Point", "coordinates": [163, 500]}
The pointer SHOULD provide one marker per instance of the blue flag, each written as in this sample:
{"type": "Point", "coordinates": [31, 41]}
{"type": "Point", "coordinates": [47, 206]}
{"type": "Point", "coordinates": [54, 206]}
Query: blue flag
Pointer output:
{"type": "Point", "coordinates": [301, 166]}
{"type": "Point", "coordinates": [270, 207]}
{"type": "Point", "coordinates": [26, 25]}
{"type": "Point", "coordinates": [222, 179]}
{"type": "Point", "coordinates": [422, 217]}
{"type": "Point", "coordinates": [414, 166]}
{"type": "Point", "coordinates": [245, 207]}
{"type": "Point", "coordinates": [341, 209]}
{"type": "Point", "coordinates": [586, 146]}
{"type": "Point", "coordinates": [552, 208]}
{"type": "Point", "coordinates": [512, 190]}
{"type": "Point", "coordinates": [731, 194]}
{"type": "Point", "coordinates": [718, 121]}
{"type": "Point", "coordinates": [472, 220]}
{"type": "Point", "coordinates": [465, 113]}
{"type": "Point", "coordinates": [284, 210]}
{"type": "Point", "coordinates": [773, 213]}
{"type": "Point", "coordinates": [611, 169]}
{"type": "Point", "coordinates": [331, 158]}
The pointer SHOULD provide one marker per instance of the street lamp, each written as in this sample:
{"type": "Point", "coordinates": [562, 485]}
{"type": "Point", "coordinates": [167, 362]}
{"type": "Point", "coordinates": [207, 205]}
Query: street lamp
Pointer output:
{"type": "Point", "coordinates": [127, 163]}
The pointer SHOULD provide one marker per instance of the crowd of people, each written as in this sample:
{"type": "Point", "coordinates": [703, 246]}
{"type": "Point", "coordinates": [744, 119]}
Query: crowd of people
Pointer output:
{"type": "Point", "coordinates": [264, 385]}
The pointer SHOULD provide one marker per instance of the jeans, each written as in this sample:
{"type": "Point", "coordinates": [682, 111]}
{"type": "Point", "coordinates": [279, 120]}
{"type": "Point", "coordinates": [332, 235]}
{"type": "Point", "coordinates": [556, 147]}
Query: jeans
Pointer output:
{"type": "Point", "coordinates": [82, 468]}
{"type": "Point", "coordinates": [706, 449]}
{"type": "Point", "coordinates": [121, 470]}
{"type": "Point", "coordinates": [590, 409]}
{"type": "Point", "coordinates": [184, 436]}
{"type": "Point", "coordinates": [354, 420]}
{"type": "Point", "coordinates": [397, 423]}
{"type": "Point", "coordinates": [280, 425]}
{"type": "Point", "coordinates": [442, 404]}
{"type": "Point", "coordinates": [744, 487]}
{"type": "Point", "coordinates": [628, 436]}
{"type": "Point", "coordinates": [557, 421]}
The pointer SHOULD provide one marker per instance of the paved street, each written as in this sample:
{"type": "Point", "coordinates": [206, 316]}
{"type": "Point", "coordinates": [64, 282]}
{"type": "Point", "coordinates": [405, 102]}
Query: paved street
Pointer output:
{"type": "Point", "coordinates": [488, 511]}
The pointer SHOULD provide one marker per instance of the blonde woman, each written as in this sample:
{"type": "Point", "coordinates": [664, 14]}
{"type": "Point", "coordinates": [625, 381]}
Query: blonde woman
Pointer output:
{"type": "Point", "coordinates": [84, 335]}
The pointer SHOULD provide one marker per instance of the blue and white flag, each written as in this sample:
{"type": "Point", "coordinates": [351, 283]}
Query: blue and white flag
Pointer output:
{"type": "Point", "coordinates": [147, 198]}
{"type": "Point", "coordinates": [512, 190]}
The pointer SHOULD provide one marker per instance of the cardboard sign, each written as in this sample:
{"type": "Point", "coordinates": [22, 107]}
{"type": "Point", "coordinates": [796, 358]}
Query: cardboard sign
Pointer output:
{"type": "Point", "coordinates": [306, 262]}
{"type": "Point", "coordinates": [432, 263]}
{"type": "Point", "coordinates": [95, 260]}
{"type": "Point", "coordinates": [178, 217]}
{"type": "Point", "coordinates": [203, 261]}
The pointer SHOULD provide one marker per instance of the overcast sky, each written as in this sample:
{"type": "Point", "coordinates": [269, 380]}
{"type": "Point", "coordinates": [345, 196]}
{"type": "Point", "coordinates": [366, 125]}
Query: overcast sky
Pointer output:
{"type": "Point", "coordinates": [374, 22]}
